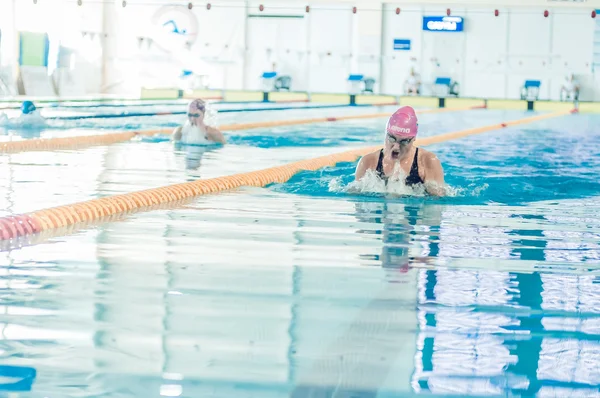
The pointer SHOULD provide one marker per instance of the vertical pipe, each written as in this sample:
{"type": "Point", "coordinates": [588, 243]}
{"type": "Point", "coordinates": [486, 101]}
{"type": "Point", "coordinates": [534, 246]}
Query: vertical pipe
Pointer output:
{"type": "Point", "coordinates": [550, 57]}
{"type": "Point", "coordinates": [354, 44]}
{"type": "Point", "coordinates": [382, 44]}
{"type": "Point", "coordinates": [421, 63]}
{"type": "Point", "coordinates": [15, 41]}
{"type": "Point", "coordinates": [246, 49]}
{"type": "Point", "coordinates": [106, 53]}
{"type": "Point", "coordinates": [507, 52]}
{"type": "Point", "coordinates": [308, 53]}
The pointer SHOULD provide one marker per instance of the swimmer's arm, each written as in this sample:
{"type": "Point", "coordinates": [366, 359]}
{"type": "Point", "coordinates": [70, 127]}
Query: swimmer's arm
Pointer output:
{"type": "Point", "coordinates": [176, 136]}
{"type": "Point", "coordinates": [215, 135]}
{"type": "Point", "coordinates": [434, 176]}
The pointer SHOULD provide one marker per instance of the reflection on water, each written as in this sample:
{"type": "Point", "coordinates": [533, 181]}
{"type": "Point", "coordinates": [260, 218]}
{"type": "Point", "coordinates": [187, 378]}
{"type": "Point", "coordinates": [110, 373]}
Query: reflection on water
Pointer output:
{"type": "Point", "coordinates": [193, 154]}
{"type": "Point", "coordinates": [256, 293]}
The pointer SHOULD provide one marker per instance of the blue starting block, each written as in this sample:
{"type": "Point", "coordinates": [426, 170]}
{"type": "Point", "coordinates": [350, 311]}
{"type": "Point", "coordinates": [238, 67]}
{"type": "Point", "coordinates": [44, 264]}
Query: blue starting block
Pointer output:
{"type": "Point", "coordinates": [268, 83]}
{"type": "Point", "coordinates": [443, 81]}
{"type": "Point", "coordinates": [355, 83]}
{"type": "Point", "coordinates": [356, 78]}
{"type": "Point", "coordinates": [269, 75]}
{"type": "Point", "coordinates": [444, 86]}
{"type": "Point", "coordinates": [530, 92]}
{"type": "Point", "coordinates": [359, 84]}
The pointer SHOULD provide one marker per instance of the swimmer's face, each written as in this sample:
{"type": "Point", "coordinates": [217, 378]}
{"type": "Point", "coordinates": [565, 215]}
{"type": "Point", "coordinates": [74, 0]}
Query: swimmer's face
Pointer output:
{"type": "Point", "coordinates": [195, 112]}
{"type": "Point", "coordinates": [396, 146]}
{"type": "Point", "coordinates": [195, 116]}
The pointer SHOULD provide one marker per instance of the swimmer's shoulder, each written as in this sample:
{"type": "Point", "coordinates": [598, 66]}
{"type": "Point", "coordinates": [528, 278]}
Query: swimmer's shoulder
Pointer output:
{"type": "Point", "coordinates": [430, 166]}
{"type": "Point", "coordinates": [371, 159]}
{"type": "Point", "coordinates": [215, 135]}
{"type": "Point", "coordinates": [428, 159]}
{"type": "Point", "coordinates": [367, 162]}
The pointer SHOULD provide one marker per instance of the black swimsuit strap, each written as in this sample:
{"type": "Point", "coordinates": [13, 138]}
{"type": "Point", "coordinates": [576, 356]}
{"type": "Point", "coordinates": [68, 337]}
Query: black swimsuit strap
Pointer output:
{"type": "Point", "coordinates": [414, 168]}
{"type": "Point", "coordinates": [379, 168]}
{"type": "Point", "coordinates": [413, 176]}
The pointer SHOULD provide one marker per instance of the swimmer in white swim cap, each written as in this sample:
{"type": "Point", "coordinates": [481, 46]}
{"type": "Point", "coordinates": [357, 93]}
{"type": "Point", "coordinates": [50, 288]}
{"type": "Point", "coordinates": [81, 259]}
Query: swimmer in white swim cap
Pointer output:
{"type": "Point", "coordinates": [195, 131]}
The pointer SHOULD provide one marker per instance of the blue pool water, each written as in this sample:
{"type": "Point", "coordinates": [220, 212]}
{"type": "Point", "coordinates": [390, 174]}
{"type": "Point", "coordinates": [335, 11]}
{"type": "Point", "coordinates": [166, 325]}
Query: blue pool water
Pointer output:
{"type": "Point", "coordinates": [305, 289]}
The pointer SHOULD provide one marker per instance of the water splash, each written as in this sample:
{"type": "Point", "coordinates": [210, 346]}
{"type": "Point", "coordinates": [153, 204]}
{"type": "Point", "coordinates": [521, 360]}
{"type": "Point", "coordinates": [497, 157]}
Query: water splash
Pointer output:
{"type": "Point", "coordinates": [30, 121]}
{"type": "Point", "coordinates": [210, 115]}
{"type": "Point", "coordinates": [396, 187]}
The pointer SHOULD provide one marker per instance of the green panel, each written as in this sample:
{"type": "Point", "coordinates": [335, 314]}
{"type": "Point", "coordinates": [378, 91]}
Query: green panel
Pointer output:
{"type": "Point", "coordinates": [33, 49]}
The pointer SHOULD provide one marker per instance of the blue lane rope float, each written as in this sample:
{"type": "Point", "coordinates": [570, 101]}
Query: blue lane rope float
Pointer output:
{"type": "Point", "coordinates": [25, 375]}
{"type": "Point", "coordinates": [183, 102]}
{"type": "Point", "coordinates": [141, 114]}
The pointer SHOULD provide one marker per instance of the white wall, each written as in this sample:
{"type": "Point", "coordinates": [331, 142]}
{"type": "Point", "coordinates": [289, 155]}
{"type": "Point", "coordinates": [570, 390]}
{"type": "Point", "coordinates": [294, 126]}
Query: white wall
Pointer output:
{"type": "Point", "coordinates": [84, 73]}
{"type": "Point", "coordinates": [278, 40]}
{"type": "Point", "coordinates": [395, 65]}
{"type": "Point", "coordinates": [492, 58]}
{"type": "Point", "coordinates": [221, 43]}
{"type": "Point", "coordinates": [485, 48]}
{"type": "Point", "coordinates": [63, 21]}
{"type": "Point", "coordinates": [218, 49]}
{"type": "Point", "coordinates": [330, 47]}
{"type": "Point", "coordinates": [495, 55]}
{"type": "Point", "coordinates": [7, 48]}
{"type": "Point", "coordinates": [7, 43]}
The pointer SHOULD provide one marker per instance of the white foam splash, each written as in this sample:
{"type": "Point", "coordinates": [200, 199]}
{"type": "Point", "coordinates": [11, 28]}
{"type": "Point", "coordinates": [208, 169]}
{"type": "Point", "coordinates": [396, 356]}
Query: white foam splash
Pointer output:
{"type": "Point", "coordinates": [396, 186]}
{"type": "Point", "coordinates": [210, 114]}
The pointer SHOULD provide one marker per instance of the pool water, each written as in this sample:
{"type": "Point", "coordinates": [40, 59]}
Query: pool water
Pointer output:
{"type": "Point", "coordinates": [305, 289]}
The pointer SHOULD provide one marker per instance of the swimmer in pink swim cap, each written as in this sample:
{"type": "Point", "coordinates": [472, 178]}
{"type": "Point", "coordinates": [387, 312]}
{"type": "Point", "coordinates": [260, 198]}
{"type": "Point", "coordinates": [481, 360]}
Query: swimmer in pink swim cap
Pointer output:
{"type": "Point", "coordinates": [419, 165]}
{"type": "Point", "coordinates": [195, 131]}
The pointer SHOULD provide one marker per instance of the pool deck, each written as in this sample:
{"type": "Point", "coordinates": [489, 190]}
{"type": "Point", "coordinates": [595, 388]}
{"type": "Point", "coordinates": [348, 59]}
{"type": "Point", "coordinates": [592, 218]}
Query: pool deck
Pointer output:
{"type": "Point", "coordinates": [376, 99]}
{"type": "Point", "coordinates": [322, 98]}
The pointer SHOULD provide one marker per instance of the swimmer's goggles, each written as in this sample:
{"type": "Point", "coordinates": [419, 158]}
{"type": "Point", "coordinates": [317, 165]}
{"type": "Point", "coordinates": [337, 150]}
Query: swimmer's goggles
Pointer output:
{"type": "Point", "coordinates": [200, 108]}
{"type": "Point", "coordinates": [402, 142]}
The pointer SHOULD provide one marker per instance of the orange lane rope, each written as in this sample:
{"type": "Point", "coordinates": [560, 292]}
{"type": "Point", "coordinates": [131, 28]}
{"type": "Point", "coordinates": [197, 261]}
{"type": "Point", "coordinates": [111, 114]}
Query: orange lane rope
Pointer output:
{"type": "Point", "coordinates": [12, 227]}
{"type": "Point", "coordinates": [75, 142]}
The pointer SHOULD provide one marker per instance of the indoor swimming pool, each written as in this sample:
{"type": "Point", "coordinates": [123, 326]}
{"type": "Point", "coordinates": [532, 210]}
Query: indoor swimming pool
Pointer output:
{"type": "Point", "coordinates": [308, 288]}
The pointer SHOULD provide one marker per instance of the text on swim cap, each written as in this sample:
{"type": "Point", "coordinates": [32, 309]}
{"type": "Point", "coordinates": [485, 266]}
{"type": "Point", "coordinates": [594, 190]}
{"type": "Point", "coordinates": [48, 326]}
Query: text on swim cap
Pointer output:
{"type": "Point", "coordinates": [397, 129]}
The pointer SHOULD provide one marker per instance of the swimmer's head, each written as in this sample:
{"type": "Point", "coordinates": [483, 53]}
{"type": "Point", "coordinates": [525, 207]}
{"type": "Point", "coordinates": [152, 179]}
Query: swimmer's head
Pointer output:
{"type": "Point", "coordinates": [27, 107]}
{"type": "Point", "coordinates": [403, 123]}
{"type": "Point", "coordinates": [401, 131]}
{"type": "Point", "coordinates": [196, 110]}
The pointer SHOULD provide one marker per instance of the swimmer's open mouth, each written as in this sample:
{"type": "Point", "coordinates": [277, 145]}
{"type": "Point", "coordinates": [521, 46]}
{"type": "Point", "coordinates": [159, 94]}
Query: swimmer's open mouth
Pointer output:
{"type": "Point", "coordinates": [395, 154]}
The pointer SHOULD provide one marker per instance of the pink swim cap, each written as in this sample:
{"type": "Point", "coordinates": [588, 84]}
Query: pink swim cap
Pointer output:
{"type": "Point", "coordinates": [403, 123]}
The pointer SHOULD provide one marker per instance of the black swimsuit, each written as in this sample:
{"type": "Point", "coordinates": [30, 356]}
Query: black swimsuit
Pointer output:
{"type": "Point", "coordinates": [413, 177]}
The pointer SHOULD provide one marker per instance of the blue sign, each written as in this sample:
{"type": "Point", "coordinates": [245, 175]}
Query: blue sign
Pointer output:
{"type": "Point", "coordinates": [401, 44]}
{"type": "Point", "coordinates": [443, 24]}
